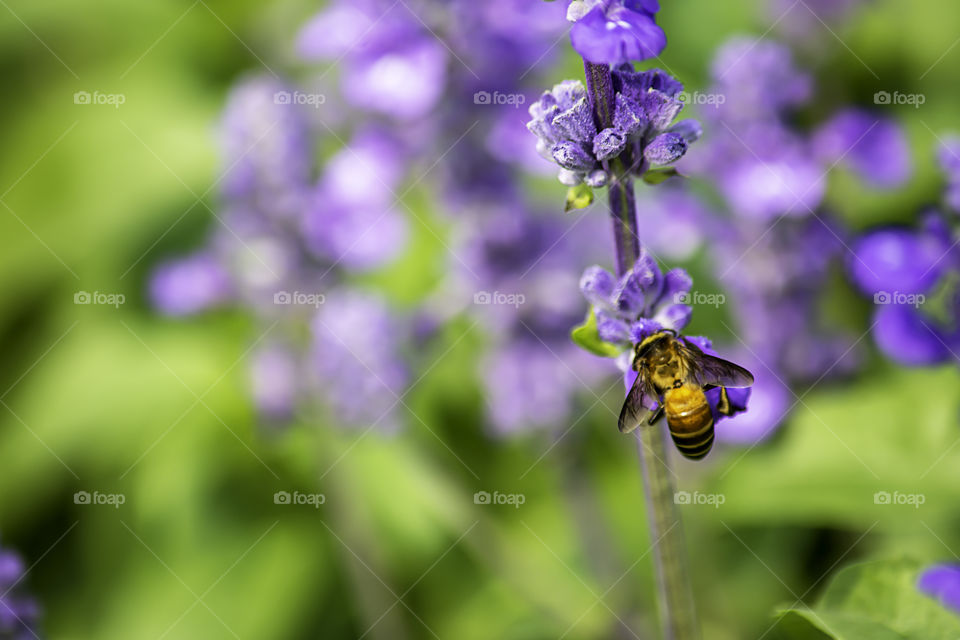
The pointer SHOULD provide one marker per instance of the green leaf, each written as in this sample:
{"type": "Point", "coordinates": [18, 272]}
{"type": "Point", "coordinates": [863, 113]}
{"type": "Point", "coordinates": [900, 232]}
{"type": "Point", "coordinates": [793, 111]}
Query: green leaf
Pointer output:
{"type": "Point", "coordinates": [656, 176]}
{"type": "Point", "coordinates": [579, 197]}
{"type": "Point", "coordinates": [586, 337]}
{"type": "Point", "coordinates": [873, 601]}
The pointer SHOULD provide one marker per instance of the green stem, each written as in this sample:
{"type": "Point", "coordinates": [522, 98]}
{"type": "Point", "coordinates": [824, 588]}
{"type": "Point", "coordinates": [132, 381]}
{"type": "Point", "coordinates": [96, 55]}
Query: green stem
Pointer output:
{"type": "Point", "coordinates": [675, 595]}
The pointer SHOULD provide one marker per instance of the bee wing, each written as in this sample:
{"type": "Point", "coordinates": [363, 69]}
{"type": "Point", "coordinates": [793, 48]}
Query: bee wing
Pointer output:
{"type": "Point", "coordinates": [718, 372]}
{"type": "Point", "coordinates": [638, 406]}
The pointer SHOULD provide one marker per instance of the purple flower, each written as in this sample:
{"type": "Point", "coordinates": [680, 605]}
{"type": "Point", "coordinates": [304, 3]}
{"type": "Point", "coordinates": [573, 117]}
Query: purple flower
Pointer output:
{"type": "Point", "coordinates": [872, 146]}
{"type": "Point", "coordinates": [645, 108]}
{"type": "Point", "coordinates": [275, 381]}
{"type": "Point", "coordinates": [393, 64]}
{"type": "Point", "coordinates": [757, 80]}
{"type": "Point", "coordinates": [266, 150]}
{"type": "Point", "coordinates": [640, 303]}
{"type": "Point", "coordinates": [614, 32]}
{"type": "Point", "coordinates": [355, 357]}
{"type": "Point", "coordinates": [942, 581]}
{"type": "Point", "coordinates": [949, 157]}
{"type": "Point", "coordinates": [785, 183]}
{"type": "Point", "coordinates": [18, 612]}
{"type": "Point", "coordinates": [191, 284]}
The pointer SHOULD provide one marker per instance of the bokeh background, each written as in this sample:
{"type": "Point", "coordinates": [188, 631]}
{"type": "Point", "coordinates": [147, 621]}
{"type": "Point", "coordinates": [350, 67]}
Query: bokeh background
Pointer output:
{"type": "Point", "coordinates": [123, 400]}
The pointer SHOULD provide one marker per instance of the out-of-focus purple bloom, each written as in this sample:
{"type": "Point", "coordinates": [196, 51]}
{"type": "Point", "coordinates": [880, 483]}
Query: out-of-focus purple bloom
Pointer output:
{"type": "Point", "coordinates": [874, 147]}
{"type": "Point", "coordinates": [781, 184]}
{"type": "Point", "coordinates": [405, 85]}
{"type": "Point", "coordinates": [530, 386]}
{"type": "Point", "coordinates": [189, 285]}
{"type": "Point", "coordinates": [356, 359]}
{"type": "Point", "coordinates": [393, 64]}
{"type": "Point", "coordinates": [949, 157]}
{"type": "Point", "coordinates": [266, 150]}
{"type": "Point", "coordinates": [805, 20]}
{"type": "Point", "coordinates": [616, 31]}
{"type": "Point", "coordinates": [942, 581]}
{"type": "Point", "coordinates": [770, 400]}
{"type": "Point", "coordinates": [646, 105]}
{"type": "Point", "coordinates": [757, 79]}
{"type": "Point", "coordinates": [900, 268]}
{"type": "Point", "coordinates": [672, 221]}
{"type": "Point", "coordinates": [275, 381]}
{"type": "Point", "coordinates": [899, 260]}
{"type": "Point", "coordinates": [18, 612]}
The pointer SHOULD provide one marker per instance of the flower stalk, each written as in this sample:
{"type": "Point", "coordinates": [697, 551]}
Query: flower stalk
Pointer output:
{"type": "Point", "coordinates": [675, 595]}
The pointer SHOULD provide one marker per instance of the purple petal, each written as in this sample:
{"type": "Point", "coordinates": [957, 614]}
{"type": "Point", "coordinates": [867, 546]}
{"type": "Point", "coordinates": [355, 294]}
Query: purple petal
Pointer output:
{"type": "Point", "coordinates": [943, 583]}
{"type": "Point", "coordinates": [898, 261]}
{"type": "Point", "coordinates": [690, 129]}
{"type": "Point", "coordinates": [609, 143]}
{"type": "Point", "coordinates": [611, 329]}
{"type": "Point", "coordinates": [904, 335]}
{"type": "Point", "coordinates": [660, 110]}
{"type": "Point", "coordinates": [628, 116]}
{"type": "Point", "coordinates": [873, 146]}
{"type": "Point", "coordinates": [623, 36]}
{"type": "Point", "coordinates": [576, 123]}
{"type": "Point", "coordinates": [597, 285]}
{"type": "Point", "coordinates": [666, 148]}
{"type": "Point", "coordinates": [572, 156]}
{"type": "Point", "coordinates": [189, 285]}
{"type": "Point", "coordinates": [643, 329]}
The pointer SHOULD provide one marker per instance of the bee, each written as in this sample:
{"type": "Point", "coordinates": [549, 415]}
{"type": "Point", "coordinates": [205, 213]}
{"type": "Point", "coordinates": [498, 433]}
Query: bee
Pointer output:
{"type": "Point", "coordinates": [673, 375]}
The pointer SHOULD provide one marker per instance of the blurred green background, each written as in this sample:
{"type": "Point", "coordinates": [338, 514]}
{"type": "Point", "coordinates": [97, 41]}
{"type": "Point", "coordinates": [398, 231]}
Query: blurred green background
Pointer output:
{"type": "Point", "coordinates": [121, 401]}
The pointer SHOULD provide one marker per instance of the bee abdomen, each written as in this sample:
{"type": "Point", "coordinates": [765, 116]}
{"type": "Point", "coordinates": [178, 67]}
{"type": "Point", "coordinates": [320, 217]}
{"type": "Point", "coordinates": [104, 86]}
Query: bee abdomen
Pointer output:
{"type": "Point", "coordinates": [690, 422]}
{"type": "Point", "coordinates": [694, 445]}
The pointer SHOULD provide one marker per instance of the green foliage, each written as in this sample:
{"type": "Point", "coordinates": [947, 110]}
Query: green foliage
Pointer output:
{"type": "Point", "coordinates": [586, 337]}
{"type": "Point", "coordinates": [872, 601]}
{"type": "Point", "coordinates": [658, 176]}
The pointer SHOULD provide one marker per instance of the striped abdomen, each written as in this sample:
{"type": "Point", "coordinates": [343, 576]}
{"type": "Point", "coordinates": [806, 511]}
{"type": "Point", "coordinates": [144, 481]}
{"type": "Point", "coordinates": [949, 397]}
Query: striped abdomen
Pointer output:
{"type": "Point", "coordinates": [689, 420]}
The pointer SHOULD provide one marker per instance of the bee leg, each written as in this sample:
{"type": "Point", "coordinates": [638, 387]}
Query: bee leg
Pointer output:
{"type": "Point", "coordinates": [723, 406]}
{"type": "Point", "coordinates": [656, 415]}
